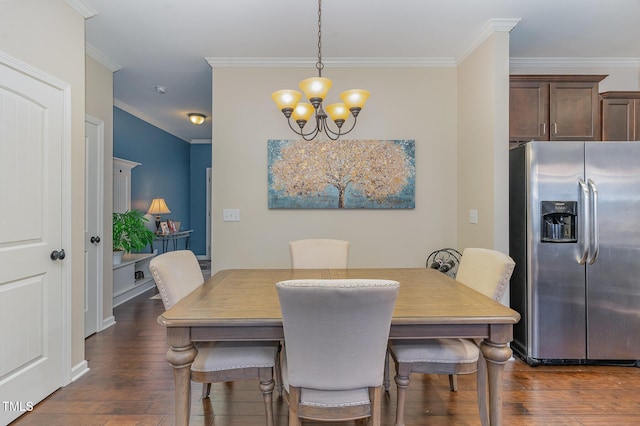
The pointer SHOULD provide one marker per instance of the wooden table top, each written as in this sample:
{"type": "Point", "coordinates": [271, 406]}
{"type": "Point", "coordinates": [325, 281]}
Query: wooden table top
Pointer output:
{"type": "Point", "coordinates": [248, 297]}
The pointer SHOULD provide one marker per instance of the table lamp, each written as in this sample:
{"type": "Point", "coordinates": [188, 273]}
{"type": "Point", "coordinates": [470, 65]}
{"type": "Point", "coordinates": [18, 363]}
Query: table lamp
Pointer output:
{"type": "Point", "coordinates": [158, 206]}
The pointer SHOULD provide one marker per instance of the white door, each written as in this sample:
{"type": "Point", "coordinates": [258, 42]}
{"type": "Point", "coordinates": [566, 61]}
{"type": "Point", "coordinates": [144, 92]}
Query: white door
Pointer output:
{"type": "Point", "coordinates": [33, 287]}
{"type": "Point", "coordinates": [93, 246]}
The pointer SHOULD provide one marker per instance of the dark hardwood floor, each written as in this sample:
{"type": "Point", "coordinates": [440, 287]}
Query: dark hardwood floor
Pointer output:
{"type": "Point", "coordinates": [131, 383]}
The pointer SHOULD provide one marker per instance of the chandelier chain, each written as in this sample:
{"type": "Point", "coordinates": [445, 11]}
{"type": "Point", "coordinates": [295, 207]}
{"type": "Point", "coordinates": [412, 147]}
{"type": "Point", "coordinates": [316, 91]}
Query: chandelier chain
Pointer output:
{"type": "Point", "coordinates": [319, 64]}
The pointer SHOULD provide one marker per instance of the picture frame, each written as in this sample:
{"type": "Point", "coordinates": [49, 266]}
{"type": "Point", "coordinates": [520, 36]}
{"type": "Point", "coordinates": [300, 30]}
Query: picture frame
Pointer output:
{"type": "Point", "coordinates": [172, 225]}
{"type": "Point", "coordinates": [164, 227]}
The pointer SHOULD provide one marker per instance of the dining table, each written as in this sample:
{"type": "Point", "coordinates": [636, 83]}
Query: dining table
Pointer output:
{"type": "Point", "coordinates": [242, 305]}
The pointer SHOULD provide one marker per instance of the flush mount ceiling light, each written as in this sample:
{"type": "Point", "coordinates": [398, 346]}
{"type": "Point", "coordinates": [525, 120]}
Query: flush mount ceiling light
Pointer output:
{"type": "Point", "coordinates": [196, 118]}
{"type": "Point", "coordinates": [316, 89]}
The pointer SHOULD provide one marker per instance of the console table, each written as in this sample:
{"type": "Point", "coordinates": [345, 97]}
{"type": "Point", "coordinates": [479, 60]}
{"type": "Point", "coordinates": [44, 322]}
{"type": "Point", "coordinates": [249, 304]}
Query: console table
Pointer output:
{"type": "Point", "coordinates": [173, 237]}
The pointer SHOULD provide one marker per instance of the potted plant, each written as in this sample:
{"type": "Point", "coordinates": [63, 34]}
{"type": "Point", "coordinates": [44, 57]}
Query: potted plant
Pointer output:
{"type": "Point", "coordinates": [129, 233]}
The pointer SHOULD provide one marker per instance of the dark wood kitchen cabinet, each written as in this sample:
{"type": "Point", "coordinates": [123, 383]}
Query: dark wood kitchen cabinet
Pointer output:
{"type": "Point", "coordinates": [620, 116]}
{"type": "Point", "coordinates": [554, 107]}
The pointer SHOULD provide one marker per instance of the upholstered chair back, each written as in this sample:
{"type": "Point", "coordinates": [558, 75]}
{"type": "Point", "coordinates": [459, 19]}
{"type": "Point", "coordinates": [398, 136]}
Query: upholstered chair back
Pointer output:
{"type": "Point", "coordinates": [336, 331]}
{"type": "Point", "coordinates": [176, 273]}
{"type": "Point", "coordinates": [486, 271]}
{"type": "Point", "coordinates": [319, 253]}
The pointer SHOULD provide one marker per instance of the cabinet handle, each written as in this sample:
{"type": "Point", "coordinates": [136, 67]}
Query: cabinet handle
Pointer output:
{"type": "Point", "coordinates": [555, 128]}
{"type": "Point", "coordinates": [544, 128]}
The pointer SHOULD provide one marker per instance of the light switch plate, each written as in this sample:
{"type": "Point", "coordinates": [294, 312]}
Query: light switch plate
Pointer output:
{"type": "Point", "coordinates": [473, 216]}
{"type": "Point", "coordinates": [231, 215]}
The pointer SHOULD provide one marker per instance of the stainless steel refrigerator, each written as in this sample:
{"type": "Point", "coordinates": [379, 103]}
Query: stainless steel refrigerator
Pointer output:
{"type": "Point", "coordinates": [574, 228]}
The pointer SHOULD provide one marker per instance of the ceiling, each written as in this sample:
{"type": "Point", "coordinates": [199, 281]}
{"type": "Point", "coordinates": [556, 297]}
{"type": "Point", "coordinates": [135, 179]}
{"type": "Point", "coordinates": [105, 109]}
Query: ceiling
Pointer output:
{"type": "Point", "coordinates": [167, 42]}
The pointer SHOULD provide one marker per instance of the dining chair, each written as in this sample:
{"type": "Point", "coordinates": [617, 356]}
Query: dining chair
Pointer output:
{"type": "Point", "coordinates": [335, 334]}
{"type": "Point", "coordinates": [319, 253]}
{"type": "Point", "coordinates": [177, 273]}
{"type": "Point", "coordinates": [486, 271]}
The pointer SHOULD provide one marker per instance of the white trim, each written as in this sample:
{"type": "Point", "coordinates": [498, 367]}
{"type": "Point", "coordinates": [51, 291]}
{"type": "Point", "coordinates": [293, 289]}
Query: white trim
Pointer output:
{"type": "Point", "coordinates": [100, 273]}
{"type": "Point", "coordinates": [108, 322]}
{"type": "Point", "coordinates": [83, 8]}
{"type": "Point", "coordinates": [101, 58]}
{"type": "Point", "coordinates": [25, 68]}
{"type": "Point", "coordinates": [136, 113]}
{"type": "Point", "coordinates": [494, 25]}
{"type": "Point", "coordinates": [574, 62]}
{"type": "Point", "coordinates": [67, 226]}
{"type": "Point", "coordinates": [79, 370]}
{"type": "Point", "coordinates": [331, 62]}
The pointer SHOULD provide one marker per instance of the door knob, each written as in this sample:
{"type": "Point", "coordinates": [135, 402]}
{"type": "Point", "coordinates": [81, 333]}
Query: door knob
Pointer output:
{"type": "Point", "coordinates": [58, 255]}
{"type": "Point", "coordinates": [95, 240]}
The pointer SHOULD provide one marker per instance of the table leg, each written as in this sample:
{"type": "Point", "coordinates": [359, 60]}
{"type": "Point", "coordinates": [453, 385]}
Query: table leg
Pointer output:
{"type": "Point", "coordinates": [181, 355]}
{"type": "Point", "coordinates": [496, 355]}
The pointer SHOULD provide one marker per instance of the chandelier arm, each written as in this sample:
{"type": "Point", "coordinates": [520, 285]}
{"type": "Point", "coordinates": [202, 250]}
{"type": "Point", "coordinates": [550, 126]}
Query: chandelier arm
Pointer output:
{"type": "Point", "coordinates": [340, 132]}
{"type": "Point", "coordinates": [304, 135]}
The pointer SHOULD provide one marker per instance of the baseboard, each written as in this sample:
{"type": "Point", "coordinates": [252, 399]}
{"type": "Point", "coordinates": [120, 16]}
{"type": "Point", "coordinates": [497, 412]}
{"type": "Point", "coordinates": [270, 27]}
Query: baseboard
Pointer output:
{"type": "Point", "coordinates": [79, 370]}
{"type": "Point", "coordinates": [130, 294]}
{"type": "Point", "coordinates": [202, 257]}
{"type": "Point", "coordinates": [108, 322]}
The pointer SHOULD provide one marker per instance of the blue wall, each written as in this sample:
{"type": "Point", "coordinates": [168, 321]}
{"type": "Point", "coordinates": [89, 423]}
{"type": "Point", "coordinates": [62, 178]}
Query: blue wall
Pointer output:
{"type": "Point", "coordinates": [200, 161]}
{"type": "Point", "coordinates": [171, 169]}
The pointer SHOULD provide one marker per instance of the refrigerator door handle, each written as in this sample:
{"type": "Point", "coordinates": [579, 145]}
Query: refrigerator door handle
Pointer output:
{"type": "Point", "coordinates": [584, 222]}
{"type": "Point", "coordinates": [594, 246]}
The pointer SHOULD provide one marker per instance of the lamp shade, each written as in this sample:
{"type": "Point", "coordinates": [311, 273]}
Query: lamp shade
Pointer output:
{"type": "Point", "coordinates": [316, 87]}
{"type": "Point", "coordinates": [286, 98]}
{"type": "Point", "coordinates": [338, 112]}
{"type": "Point", "coordinates": [354, 98]}
{"type": "Point", "coordinates": [303, 111]}
{"type": "Point", "coordinates": [158, 206]}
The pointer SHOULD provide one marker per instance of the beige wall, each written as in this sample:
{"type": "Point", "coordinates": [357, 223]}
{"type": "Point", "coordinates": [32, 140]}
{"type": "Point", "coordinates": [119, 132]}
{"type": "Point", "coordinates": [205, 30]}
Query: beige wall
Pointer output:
{"type": "Point", "coordinates": [52, 40]}
{"type": "Point", "coordinates": [99, 98]}
{"type": "Point", "coordinates": [406, 103]}
{"type": "Point", "coordinates": [483, 100]}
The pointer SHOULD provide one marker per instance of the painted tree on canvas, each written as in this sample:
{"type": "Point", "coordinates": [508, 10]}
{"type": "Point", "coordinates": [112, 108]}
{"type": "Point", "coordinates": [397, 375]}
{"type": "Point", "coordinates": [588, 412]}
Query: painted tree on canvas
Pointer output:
{"type": "Point", "coordinates": [376, 169]}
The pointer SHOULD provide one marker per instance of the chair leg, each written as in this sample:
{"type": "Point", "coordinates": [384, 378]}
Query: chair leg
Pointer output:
{"type": "Point", "coordinates": [376, 411]}
{"type": "Point", "coordinates": [206, 390]}
{"type": "Point", "coordinates": [402, 383]}
{"type": "Point", "coordinates": [385, 381]}
{"type": "Point", "coordinates": [278, 370]}
{"type": "Point", "coordinates": [266, 387]}
{"type": "Point", "coordinates": [294, 401]}
{"type": "Point", "coordinates": [453, 382]}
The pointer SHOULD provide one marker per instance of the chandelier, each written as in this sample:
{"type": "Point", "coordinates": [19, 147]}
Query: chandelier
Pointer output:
{"type": "Point", "coordinates": [316, 89]}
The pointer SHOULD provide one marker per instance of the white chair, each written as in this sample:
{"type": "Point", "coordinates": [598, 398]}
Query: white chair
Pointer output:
{"type": "Point", "coordinates": [486, 271]}
{"type": "Point", "coordinates": [335, 334]}
{"type": "Point", "coordinates": [319, 253]}
{"type": "Point", "coordinates": [177, 273]}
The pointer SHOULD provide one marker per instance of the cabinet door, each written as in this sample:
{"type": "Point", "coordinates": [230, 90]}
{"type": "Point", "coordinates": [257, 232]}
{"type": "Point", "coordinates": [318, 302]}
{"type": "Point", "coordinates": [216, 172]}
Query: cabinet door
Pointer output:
{"type": "Point", "coordinates": [574, 112]}
{"type": "Point", "coordinates": [617, 119]}
{"type": "Point", "coordinates": [635, 134]}
{"type": "Point", "coordinates": [528, 111]}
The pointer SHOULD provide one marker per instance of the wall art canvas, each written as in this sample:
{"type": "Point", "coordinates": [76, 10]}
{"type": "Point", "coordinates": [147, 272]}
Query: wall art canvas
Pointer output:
{"type": "Point", "coordinates": [342, 174]}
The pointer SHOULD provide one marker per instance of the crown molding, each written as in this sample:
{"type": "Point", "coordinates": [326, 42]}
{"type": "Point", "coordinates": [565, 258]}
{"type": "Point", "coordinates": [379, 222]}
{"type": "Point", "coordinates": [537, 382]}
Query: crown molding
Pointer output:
{"type": "Point", "coordinates": [333, 62]}
{"type": "Point", "coordinates": [136, 113]}
{"type": "Point", "coordinates": [200, 141]}
{"type": "Point", "coordinates": [83, 8]}
{"type": "Point", "coordinates": [492, 26]}
{"type": "Point", "coordinates": [574, 62]}
{"type": "Point", "coordinates": [101, 58]}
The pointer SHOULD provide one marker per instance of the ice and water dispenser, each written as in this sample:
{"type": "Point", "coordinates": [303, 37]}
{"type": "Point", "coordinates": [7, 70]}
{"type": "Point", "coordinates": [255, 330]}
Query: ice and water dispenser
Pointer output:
{"type": "Point", "coordinates": [559, 221]}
